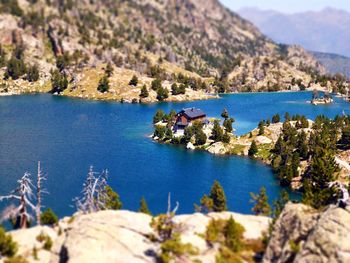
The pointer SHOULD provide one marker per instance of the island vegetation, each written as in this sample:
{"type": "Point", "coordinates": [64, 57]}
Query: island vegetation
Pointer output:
{"type": "Point", "coordinates": [307, 156]}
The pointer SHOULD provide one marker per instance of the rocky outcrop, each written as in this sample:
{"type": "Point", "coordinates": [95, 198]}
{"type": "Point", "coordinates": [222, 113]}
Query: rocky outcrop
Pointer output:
{"type": "Point", "coordinates": [302, 234]}
{"type": "Point", "coordinates": [124, 236]}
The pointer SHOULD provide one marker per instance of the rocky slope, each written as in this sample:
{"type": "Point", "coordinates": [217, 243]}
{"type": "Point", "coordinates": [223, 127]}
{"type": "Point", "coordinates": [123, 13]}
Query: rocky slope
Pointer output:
{"type": "Point", "coordinates": [199, 39]}
{"type": "Point", "coordinates": [301, 234]}
{"type": "Point", "coordinates": [123, 236]}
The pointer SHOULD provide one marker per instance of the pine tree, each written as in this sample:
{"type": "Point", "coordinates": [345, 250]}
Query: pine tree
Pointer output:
{"type": "Point", "coordinates": [201, 137]}
{"type": "Point", "coordinates": [162, 94]}
{"type": "Point", "coordinates": [144, 92]}
{"type": "Point", "coordinates": [103, 84]}
{"type": "Point", "coordinates": [112, 200]}
{"type": "Point", "coordinates": [224, 114]}
{"type": "Point", "coordinates": [253, 149]}
{"type": "Point", "coordinates": [261, 128]}
{"type": "Point", "coordinates": [15, 68]}
{"type": "Point", "coordinates": [59, 82]}
{"type": "Point", "coordinates": [217, 194]}
{"type": "Point", "coordinates": [261, 206]}
{"type": "Point", "coordinates": [134, 81]}
{"type": "Point", "coordinates": [217, 132]}
{"type": "Point", "coordinates": [323, 167]}
{"type": "Point", "coordinates": [159, 116]}
{"type": "Point", "coordinates": [174, 89]}
{"type": "Point", "coordinates": [33, 73]}
{"type": "Point", "coordinates": [228, 124]}
{"type": "Point", "coordinates": [276, 118]}
{"type": "Point", "coordinates": [144, 207]}
{"type": "Point", "coordinates": [226, 138]}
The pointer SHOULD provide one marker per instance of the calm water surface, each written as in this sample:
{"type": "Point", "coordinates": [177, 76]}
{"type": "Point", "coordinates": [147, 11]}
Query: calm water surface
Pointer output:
{"type": "Point", "coordinates": [69, 135]}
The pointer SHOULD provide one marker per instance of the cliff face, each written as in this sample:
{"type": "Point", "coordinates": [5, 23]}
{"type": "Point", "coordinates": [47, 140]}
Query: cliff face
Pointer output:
{"type": "Point", "coordinates": [196, 38]}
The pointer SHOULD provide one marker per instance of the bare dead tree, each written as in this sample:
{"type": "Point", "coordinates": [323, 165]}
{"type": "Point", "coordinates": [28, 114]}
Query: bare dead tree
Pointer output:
{"type": "Point", "coordinates": [23, 194]}
{"type": "Point", "coordinates": [94, 195]}
{"type": "Point", "coordinates": [39, 191]}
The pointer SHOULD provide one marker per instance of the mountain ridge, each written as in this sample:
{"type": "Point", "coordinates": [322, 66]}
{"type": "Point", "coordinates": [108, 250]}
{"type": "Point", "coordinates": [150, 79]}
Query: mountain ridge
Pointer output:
{"type": "Point", "coordinates": [151, 39]}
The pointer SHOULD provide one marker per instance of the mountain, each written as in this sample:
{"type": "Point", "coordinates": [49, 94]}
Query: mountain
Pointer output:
{"type": "Point", "coordinates": [325, 31]}
{"type": "Point", "coordinates": [200, 39]}
{"type": "Point", "coordinates": [334, 63]}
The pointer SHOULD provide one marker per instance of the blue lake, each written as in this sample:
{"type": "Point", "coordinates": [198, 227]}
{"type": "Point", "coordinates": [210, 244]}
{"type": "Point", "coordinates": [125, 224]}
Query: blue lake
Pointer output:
{"type": "Point", "coordinates": [69, 135]}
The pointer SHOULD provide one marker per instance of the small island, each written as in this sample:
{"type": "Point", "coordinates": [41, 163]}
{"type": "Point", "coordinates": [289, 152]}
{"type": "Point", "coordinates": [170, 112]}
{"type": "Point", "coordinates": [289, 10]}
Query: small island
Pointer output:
{"type": "Point", "coordinates": [317, 100]}
{"type": "Point", "coordinates": [294, 148]}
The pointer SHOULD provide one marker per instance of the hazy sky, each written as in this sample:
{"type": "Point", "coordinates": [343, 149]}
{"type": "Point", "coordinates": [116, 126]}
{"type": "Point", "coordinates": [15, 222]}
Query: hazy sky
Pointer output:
{"type": "Point", "coordinates": [288, 6]}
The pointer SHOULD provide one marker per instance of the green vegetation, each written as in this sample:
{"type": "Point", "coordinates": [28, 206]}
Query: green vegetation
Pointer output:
{"type": "Point", "coordinates": [144, 92]}
{"type": "Point", "coordinates": [215, 202]}
{"type": "Point", "coordinates": [103, 84]}
{"type": "Point", "coordinates": [253, 150]}
{"type": "Point", "coordinates": [46, 240]}
{"type": "Point", "coordinates": [144, 207]}
{"type": "Point", "coordinates": [134, 81]}
{"type": "Point", "coordinates": [48, 217]}
{"type": "Point", "coordinates": [8, 247]}
{"type": "Point", "coordinates": [59, 82]}
{"type": "Point", "coordinates": [229, 235]}
{"type": "Point", "coordinates": [15, 68]}
{"type": "Point", "coordinates": [261, 206]}
{"type": "Point", "coordinates": [33, 73]}
{"type": "Point", "coordinates": [159, 116]}
{"type": "Point", "coordinates": [162, 94]}
{"type": "Point", "coordinates": [112, 201]}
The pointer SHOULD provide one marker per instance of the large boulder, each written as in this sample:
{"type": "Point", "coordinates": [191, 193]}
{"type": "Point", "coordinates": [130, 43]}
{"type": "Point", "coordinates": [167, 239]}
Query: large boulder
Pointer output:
{"type": "Point", "coordinates": [302, 234]}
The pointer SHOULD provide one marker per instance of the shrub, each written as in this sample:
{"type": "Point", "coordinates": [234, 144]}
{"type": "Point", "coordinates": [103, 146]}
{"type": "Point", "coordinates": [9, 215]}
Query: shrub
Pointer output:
{"type": "Point", "coordinates": [144, 92]}
{"type": "Point", "coordinates": [156, 84]}
{"type": "Point", "coordinates": [8, 247]}
{"type": "Point", "coordinates": [173, 249]}
{"type": "Point", "coordinates": [103, 84]}
{"type": "Point", "coordinates": [43, 238]}
{"type": "Point", "coordinates": [48, 217]}
{"type": "Point", "coordinates": [59, 82]}
{"type": "Point", "coordinates": [16, 259]}
{"type": "Point", "coordinates": [162, 94]}
{"type": "Point", "coordinates": [12, 7]}
{"type": "Point", "coordinates": [33, 73]}
{"type": "Point", "coordinates": [15, 68]}
{"type": "Point", "coordinates": [134, 80]}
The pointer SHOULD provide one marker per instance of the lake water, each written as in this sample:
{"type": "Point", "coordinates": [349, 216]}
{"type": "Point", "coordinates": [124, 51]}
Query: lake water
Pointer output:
{"type": "Point", "coordinates": [69, 135]}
